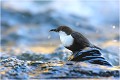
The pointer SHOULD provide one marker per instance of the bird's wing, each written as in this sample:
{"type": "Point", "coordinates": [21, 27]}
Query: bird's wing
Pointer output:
{"type": "Point", "coordinates": [80, 39]}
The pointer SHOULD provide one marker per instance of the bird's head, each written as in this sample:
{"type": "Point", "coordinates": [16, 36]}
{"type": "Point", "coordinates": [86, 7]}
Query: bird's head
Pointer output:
{"type": "Point", "coordinates": [65, 29]}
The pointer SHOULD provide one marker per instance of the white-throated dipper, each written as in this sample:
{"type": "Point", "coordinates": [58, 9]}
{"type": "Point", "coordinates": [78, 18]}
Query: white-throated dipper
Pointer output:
{"type": "Point", "coordinates": [77, 43]}
{"type": "Point", "coordinates": [72, 40]}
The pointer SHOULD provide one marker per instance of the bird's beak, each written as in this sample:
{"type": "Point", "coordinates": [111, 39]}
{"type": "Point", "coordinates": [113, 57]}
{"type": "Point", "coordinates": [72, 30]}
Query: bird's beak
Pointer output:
{"type": "Point", "coordinates": [55, 30]}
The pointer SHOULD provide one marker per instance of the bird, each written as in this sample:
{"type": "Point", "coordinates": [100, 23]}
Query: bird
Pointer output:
{"type": "Point", "coordinates": [82, 48]}
{"type": "Point", "coordinates": [73, 40]}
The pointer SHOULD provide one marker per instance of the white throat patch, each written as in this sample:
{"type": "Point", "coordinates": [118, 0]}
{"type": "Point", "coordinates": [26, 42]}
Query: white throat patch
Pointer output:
{"type": "Point", "coordinates": [67, 40]}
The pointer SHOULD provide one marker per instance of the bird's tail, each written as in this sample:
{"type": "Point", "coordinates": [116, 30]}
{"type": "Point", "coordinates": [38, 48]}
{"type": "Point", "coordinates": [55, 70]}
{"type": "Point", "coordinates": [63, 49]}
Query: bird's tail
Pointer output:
{"type": "Point", "coordinates": [93, 46]}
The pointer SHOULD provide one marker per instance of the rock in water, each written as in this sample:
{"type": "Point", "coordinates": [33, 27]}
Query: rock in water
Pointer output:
{"type": "Point", "coordinates": [13, 68]}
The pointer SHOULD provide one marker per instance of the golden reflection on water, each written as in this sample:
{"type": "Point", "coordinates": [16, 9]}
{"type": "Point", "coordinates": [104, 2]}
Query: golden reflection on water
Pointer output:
{"type": "Point", "coordinates": [43, 47]}
{"type": "Point", "coordinates": [111, 43]}
{"type": "Point", "coordinates": [36, 49]}
{"type": "Point", "coordinates": [49, 48]}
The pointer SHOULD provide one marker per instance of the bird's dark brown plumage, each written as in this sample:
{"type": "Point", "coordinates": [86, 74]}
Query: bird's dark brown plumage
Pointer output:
{"type": "Point", "coordinates": [79, 43]}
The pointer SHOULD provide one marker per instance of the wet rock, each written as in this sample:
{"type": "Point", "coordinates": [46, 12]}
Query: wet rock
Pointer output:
{"type": "Point", "coordinates": [12, 62]}
{"type": "Point", "coordinates": [54, 69]}
{"type": "Point", "coordinates": [28, 65]}
{"type": "Point", "coordinates": [69, 63]}
{"type": "Point", "coordinates": [80, 70]}
{"type": "Point", "coordinates": [34, 63]}
{"type": "Point", "coordinates": [29, 56]}
{"type": "Point", "coordinates": [14, 68]}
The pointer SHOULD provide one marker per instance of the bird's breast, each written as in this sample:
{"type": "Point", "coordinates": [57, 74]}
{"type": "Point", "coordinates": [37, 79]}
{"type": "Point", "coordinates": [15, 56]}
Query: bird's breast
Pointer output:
{"type": "Point", "coordinates": [67, 40]}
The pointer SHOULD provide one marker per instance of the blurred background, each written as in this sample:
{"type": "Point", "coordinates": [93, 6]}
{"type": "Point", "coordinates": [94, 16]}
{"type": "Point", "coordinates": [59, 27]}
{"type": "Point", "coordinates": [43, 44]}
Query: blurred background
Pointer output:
{"type": "Point", "coordinates": [26, 23]}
